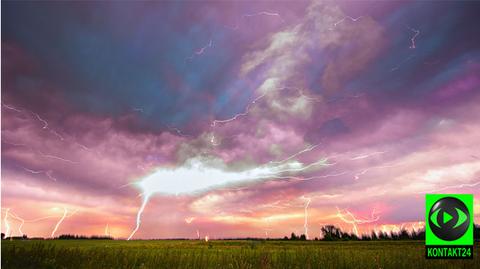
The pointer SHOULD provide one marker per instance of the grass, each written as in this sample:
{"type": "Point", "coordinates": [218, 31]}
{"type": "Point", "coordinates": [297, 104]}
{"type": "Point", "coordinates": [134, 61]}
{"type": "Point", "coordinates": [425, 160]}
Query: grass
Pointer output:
{"type": "Point", "coordinates": [221, 254]}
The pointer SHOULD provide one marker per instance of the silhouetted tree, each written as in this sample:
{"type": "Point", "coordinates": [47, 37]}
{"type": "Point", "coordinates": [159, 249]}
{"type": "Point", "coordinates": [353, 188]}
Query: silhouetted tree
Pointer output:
{"type": "Point", "coordinates": [404, 235]}
{"type": "Point", "coordinates": [420, 235]}
{"type": "Point", "coordinates": [330, 233]}
{"type": "Point", "coordinates": [293, 237]}
{"type": "Point", "coordinates": [383, 236]}
{"type": "Point", "coordinates": [366, 237]}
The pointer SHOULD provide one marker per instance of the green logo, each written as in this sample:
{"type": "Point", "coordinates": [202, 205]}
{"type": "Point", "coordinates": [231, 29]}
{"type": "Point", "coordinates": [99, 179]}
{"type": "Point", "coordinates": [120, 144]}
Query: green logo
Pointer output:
{"type": "Point", "coordinates": [448, 225]}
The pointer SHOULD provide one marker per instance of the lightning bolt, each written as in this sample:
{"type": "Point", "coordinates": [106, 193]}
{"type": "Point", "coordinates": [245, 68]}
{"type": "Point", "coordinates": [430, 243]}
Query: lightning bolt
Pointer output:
{"type": "Point", "coordinates": [249, 106]}
{"type": "Point", "coordinates": [412, 39]}
{"type": "Point", "coordinates": [57, 134]}
{"type": "Point", "coordinates": [348, 217]}
{"type": "Point", "coordinates": [357, 175]}
{"type": "Point", "coordinates": [402, 63]}
{"type": "Point", "coordinates": [305, 225]}
{"type": "Point", "coordinates": [261, 13]}
{"type": "Point", "coordinates": [247, 110]}
{"type": "Point", "coordinates": [57, 158]}
{"type": "Point", "coordinates": [146, 197]}
{"type": "Point", "coordinates": [107, 232]}
{"type": "Point", "coordinates": [245, 113]}
{"type": "Point", "coordinates": [266, 13]}
{"type": "Point", "coordinates": [22, 222]}
{"type": "Point", "coordinates": [295, 155]}
{"type": "Point", "coordinates": [12, 108]}
{"type": "Point", "coordinates": [47, 173]}
{"type": "Point", "coordinates": [32, 171]}
{"type": "Point", "coordinates": [189, 220]}
{"type": "Point", "coordinates": [7, 224]}
{"type": "Point", "coordinates": [414, 227]}
{"type": "Point", "coordinates": [37, 117]}
{"type": "Point", "coordinates": [464, 185]}
{"type": "Point", "coordinates": [345, 18]}
{"type": "Point", "coordinates": [43, 154]}
{"type": "Point", "coordinates": [45, 123]}
{"type": "Point", "coordinates": [367, 155]}
{"type": "Point", "coordinates": [83, 147]}
{"type": "Point", "coordinates": [60, 221]}
{"type": "Point", "coordinates": [200, 51]}
{"type": "Point", "coordinates": [362, 172]}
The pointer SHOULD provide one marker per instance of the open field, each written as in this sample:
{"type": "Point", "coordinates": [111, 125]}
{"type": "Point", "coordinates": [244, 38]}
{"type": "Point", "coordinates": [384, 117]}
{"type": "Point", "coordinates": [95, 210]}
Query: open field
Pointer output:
{"type": "Point", "coordinates": [221, 254]}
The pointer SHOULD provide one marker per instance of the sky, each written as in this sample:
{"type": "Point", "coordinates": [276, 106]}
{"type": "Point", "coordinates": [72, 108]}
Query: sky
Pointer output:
{"type": "Point", "coordinates": [235, 119]}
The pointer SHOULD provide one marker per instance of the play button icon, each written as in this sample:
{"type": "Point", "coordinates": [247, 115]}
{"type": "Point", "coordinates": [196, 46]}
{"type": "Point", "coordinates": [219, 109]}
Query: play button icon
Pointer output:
{"type": "Point", "coordinates": [449, 218]}
{"type": "Point", "coordinates": [446, 217]}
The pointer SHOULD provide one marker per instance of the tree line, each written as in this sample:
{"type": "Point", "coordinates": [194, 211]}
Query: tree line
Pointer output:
{"type": "Point", "coordinates": [61, 237]}
{"type": "Point", "coordinates": [333, 233]}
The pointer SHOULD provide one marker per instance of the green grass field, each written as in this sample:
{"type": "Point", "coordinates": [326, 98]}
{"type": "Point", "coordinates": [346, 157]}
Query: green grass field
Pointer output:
{"type": "Point", "coordinates": [221, 254]}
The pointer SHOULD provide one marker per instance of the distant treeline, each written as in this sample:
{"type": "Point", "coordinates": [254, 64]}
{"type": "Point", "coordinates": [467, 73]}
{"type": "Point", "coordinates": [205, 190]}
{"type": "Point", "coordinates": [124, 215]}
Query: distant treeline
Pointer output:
{"type": "Point", "coordinates": [333, 233]}
{"type": "Point", "coordinates": [77, 237]}
{"type": "Point", "coordinates": [327, 233]}
{"type": "Point", "coordinates": [61, 237]}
